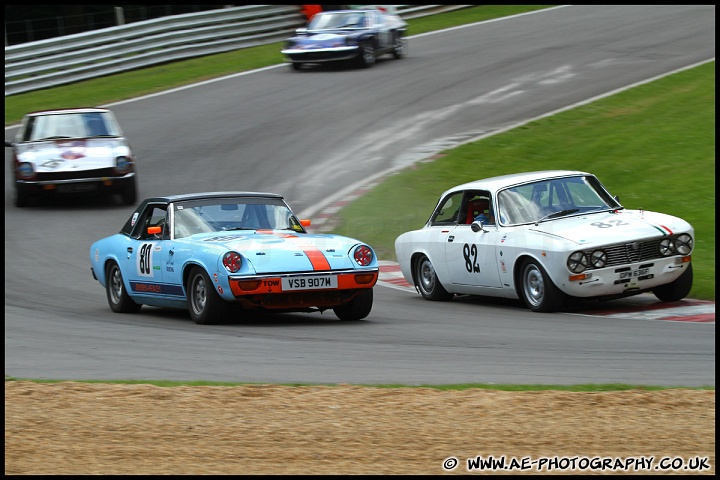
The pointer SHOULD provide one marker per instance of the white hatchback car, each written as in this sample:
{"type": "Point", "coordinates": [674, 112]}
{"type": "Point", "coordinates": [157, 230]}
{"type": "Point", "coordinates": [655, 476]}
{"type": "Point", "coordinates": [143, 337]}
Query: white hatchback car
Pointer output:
{"type": "Point", "coordinates": [545, 236]}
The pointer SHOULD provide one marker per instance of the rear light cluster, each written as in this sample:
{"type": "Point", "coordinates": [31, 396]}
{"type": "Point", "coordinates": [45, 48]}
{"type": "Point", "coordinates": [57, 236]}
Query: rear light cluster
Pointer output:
{"type": "Point", "coordinates": [363, 255]}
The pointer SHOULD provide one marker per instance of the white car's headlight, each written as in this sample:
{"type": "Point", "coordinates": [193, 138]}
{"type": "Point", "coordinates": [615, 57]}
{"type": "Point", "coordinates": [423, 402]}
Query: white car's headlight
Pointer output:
{"type": "Point", "coordinates": [598, 258]}
{"type": "Point", "coordinates": [123, 164]}
{"type": "Point", "coordinates": [577, 262]}
{"type": "Point", "coordinates": [684, 244]}
{"type": "Point", "coordinates": [666, 247]}
{"type": "Point", "coordinates": [25, 171]}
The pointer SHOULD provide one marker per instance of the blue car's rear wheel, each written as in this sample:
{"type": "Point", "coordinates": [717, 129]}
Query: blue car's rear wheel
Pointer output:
{"type": "Point", "coordinates": [205, 305]}
{"type": "Point", "coordinates": [118, 298]}
{"type": "Point", "coordinates": [358, 308]}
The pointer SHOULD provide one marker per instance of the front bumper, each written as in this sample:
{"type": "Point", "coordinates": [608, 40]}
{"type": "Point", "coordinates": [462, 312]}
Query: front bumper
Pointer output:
{"type": "Point", "coordinates": [267, 291]}
{"type": "Point", "coordinates": [625, 280]}
{"type": "Point", "coordinates": [114, 184]}
{"type": "Point", "coordinates": [320, 55]}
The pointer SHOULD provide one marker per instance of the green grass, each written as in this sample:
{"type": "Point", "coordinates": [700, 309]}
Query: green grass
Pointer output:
{"type": "Point", "coordinates": [605, 387]}
{"type": "Point", "coordinates": [653, 145]}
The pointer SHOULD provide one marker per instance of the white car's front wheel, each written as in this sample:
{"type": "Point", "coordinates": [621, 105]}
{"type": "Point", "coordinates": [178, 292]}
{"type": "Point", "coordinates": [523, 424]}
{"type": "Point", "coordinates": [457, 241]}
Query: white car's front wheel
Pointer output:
{"type": "Point", "coordinates": [677, 290]}
{"type": "Point", "coordinates": [537, 289]}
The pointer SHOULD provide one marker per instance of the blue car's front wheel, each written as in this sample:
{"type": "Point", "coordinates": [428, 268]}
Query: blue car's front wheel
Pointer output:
{"type": "Point", "coordinates": [205, 305]}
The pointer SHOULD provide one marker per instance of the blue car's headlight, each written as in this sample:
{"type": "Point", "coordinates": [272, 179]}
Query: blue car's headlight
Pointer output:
{"type": "Point", "coordinates": [363, 255]}
{"type": "Point", "coordinates": [232, 261]}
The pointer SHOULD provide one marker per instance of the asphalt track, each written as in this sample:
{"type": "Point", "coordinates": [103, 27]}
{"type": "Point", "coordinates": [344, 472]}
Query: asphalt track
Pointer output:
{"type": "Point", "coordinates": [320, 135]}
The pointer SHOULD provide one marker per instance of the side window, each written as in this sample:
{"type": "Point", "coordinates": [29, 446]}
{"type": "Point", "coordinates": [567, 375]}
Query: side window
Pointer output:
{"type": "Point", "coordinates": [449, 210]}
{"type": "Point", "coordinates": [155, 216]}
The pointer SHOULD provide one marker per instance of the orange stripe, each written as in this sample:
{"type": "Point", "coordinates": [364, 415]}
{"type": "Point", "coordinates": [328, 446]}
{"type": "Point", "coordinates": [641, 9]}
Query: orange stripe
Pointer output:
{"type": "Point", "coordinates": [314, 254]}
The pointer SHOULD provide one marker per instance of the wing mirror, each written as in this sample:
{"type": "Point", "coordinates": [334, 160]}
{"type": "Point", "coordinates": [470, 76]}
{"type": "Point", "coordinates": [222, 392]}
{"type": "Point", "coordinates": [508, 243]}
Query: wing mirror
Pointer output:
{"type": "Point", "coordinates": [477, 226]}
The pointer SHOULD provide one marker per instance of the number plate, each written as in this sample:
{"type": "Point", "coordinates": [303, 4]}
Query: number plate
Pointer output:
{"type": "Point", "coordinates": [76, 187]}
{"type": "Point", "coordinates": [635, 273]}
{"type": "Point", "coordinates": [309, 283]}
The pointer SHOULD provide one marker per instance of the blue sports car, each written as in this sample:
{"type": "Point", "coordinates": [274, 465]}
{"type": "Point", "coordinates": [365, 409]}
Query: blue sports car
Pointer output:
{"type": "Point", "coordinates": [208, 252]}
{"type": "Point", "coordinates": [358, 36]}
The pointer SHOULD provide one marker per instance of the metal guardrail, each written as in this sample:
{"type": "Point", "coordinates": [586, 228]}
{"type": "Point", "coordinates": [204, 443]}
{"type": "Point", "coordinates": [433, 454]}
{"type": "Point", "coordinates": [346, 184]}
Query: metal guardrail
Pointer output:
{"type": "Point", "coordinates": [72, 58]}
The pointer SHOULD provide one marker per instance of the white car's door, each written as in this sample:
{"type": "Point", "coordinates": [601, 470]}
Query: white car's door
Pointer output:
{"type": "Point", "coordinates": [472, 256]}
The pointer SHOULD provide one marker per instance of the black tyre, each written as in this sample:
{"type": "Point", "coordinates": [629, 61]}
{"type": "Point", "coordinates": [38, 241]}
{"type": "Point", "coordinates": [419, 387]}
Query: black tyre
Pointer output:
{"type": "Point", "coordinates": [537, 289]}
{"type": "Point", "coordinates": [358, 308]}
{"type": "Point", "coordinates": [129, 193]}
{"type": "Point", "coordinates": [677, 290]}
{"type": "Point", "coordinates": [296, 65]}
{"type": "Point", "coordinates": [205, 305]}
{"type": "Point", "coordinates": [428, 283]}
{"type": "Point", "coordinates": [117, 296]}
{"type": "Point", "coordinates": [399, 47]}
{"type": "Point", "coordinates": [367, 56]}
{"type": "Point", "coordinates": [22, 199]}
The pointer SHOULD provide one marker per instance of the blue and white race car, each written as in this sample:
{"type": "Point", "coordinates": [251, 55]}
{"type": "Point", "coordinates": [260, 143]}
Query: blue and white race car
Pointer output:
{"type": "Point", "coordinates": [544, 237]}
{"type": "Point", "coordinates": [358, 36]}
{"type": "Point", "coordinates": [207, 251]}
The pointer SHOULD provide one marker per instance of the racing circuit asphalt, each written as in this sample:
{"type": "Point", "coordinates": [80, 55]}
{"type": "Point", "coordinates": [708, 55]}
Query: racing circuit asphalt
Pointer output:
{"type": "Point", "coordinates": [316, 137]}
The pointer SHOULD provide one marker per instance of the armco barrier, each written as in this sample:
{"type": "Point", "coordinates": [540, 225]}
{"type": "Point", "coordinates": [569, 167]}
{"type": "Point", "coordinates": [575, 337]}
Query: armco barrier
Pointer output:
{"type": "Point", "coordinates": [72, 58]}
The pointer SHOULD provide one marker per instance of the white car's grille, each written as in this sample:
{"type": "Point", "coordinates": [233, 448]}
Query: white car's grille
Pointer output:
{"type": "Point", "coordinates": [625, 253]}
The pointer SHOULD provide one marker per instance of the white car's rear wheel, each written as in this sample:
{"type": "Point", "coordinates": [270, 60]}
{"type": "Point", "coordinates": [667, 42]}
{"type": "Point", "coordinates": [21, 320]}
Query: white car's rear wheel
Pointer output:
{"type": "Point", "coordinates": [117, 296]}
{"type": "Point", "coordinates": [537, 289]}
{"type": "Point", "coordinates": [427, 281]}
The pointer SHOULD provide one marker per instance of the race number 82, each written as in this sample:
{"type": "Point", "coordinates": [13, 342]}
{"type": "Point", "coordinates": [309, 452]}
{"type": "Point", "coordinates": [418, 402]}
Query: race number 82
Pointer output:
{"type": "Point", "coordinates": [470, 253]}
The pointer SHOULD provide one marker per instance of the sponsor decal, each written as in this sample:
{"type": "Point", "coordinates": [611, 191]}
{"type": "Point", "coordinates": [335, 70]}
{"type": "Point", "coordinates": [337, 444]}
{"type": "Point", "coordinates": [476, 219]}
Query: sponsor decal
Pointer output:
{"type": "Point", "coordinates": [147, 288]}
{"type": "Point", "coordinates": [75, 150]}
